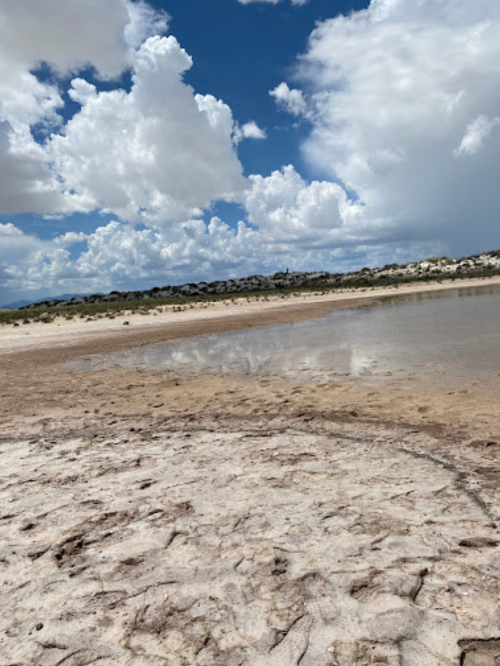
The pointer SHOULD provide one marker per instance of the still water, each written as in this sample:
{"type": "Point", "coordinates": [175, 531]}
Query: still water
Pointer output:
{"type": "Point", "coordinates": [454, 333]}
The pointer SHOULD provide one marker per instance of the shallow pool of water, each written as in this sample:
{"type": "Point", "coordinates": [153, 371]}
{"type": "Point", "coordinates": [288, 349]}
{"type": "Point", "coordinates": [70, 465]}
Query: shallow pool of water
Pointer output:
{"type": "Point", "coordinates": [453, 333]}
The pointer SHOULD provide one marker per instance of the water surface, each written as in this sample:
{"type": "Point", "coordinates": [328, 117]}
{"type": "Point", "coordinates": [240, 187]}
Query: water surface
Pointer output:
{"type": "Point", "coordinates": [453, 333]}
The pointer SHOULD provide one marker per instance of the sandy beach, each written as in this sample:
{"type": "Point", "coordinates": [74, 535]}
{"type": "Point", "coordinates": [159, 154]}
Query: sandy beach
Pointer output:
{"type": "Point", "coordinates": [159, 518]}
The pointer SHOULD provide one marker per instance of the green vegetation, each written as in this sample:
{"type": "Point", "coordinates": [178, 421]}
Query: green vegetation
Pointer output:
{"type": "Point", "coordinates": [331, 283]}
{"type": "Point", "coordinates": [94, 311]}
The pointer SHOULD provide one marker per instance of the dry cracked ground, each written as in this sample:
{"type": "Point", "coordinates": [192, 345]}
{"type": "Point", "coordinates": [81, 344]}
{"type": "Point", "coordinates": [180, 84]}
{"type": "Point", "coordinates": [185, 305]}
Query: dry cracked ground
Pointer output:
{"type": "Point", "coordinates": [345, 544]}
{"type": "Point", "coordinates": [154, 519]}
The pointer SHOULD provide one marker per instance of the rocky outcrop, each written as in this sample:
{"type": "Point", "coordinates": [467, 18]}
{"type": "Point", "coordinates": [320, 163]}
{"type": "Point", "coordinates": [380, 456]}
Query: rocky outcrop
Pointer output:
{"type": "Point", "coordinates": [435, 268]}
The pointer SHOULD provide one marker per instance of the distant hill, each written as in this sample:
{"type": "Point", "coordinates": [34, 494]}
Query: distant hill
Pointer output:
{"type": "Point", "coordinates": [436, 268]}
{"type": "Point", "coordinates": [23, 304]}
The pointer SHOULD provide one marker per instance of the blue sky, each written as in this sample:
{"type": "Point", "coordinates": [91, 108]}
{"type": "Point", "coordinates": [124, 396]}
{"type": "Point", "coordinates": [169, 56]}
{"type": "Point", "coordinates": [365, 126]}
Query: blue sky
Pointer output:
{"type": "Point", "coordinates": [143, 144]}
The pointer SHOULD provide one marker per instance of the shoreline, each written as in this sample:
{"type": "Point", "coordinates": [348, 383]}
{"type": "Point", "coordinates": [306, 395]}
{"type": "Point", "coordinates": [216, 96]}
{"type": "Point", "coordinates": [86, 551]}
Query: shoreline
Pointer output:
{"type": "Point", "coordinates": [200, 319]}
{"type": "Point", "coordinates": [31, 363]}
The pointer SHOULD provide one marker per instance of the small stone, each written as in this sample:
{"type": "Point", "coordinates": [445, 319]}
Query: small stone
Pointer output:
{"type": "Point", "coordinates": [39, 626]}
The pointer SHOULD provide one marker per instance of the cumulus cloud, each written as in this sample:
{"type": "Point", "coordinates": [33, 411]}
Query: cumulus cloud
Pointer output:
{"type": "Point", "coordinates": [65, 36]}
{"type": "Point", "coordinates": [70, 238]}
{"type": "Point", "coordinates": [287, 210]}
{"type": "Point", "coordinates": [158, 153]}
{"type": "Point", "coordinates": [143, 21]}
{"type": "Point", "coordinates": [291, 223]}
{"type": "Point", "coordinates": [82, 91]}
{"type": "Point", "coordinates": [71, 35]}
{"type": "Point", "coordinates": [16, 250]}
{"type": "Point", "coordinates": [118, 255]}
{"type": "Point", "coordinates": [9, 231]}
{"type": "Point", "coordinates": [290, 99]}
{"type": "Point", "coordinates": [249, 131]}
{"type": "Point", "coordinates": [398, 92]}
{"type": "Point", "coordinates": [26, 181]}
{"type": "Point", "coordinates": [252, 131]}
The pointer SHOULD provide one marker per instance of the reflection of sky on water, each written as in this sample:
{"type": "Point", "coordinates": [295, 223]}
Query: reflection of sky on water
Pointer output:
{"type": "Point", "coordinates": [453, 333]}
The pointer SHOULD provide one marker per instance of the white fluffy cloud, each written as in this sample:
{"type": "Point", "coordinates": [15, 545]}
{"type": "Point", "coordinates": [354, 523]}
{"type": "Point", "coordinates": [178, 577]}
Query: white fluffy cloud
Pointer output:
{"type": "Point", "coordinates": [69, 34]}
{"type": "Point", "coordinates": [16, 250]}
{"type": "Point", "coordinates": [65, 36]}
{"type": "Point", "coordinates": [404, 99]}
{"type": "Point", "coordinates": [289, 211]}
{"type": "Point", "coordinates": [119, 255]}
{"type": "Point", "coordinates": [249, 131]}
{"type": "Point", "coordinates": [290, 99]}
{"type": "Point", "coordinates": [291, 223]}
{"type": "Point", "coordinates": [157, 153]}
{"type": "Point", "coordinates": [26, 181]}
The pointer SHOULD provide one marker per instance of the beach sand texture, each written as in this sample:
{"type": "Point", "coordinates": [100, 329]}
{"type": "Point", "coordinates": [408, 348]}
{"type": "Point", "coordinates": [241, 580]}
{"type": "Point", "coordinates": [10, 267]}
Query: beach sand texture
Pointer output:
{"type": "Point", "coordinates": [156, 518]}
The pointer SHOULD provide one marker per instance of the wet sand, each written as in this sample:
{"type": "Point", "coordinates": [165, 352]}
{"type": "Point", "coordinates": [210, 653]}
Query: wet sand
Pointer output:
{"type": "Point", "coordinates": [155, 518]}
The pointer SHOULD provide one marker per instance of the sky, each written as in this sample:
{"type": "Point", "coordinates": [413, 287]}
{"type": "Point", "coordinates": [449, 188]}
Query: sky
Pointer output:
{"type": "Point", "coordinates": [152, 143]}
